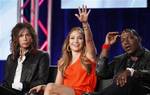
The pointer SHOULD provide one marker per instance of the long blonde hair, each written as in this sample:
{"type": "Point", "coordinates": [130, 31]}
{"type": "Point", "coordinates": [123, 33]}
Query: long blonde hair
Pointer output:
{"type": "Point", "coordinates": [65, 59]}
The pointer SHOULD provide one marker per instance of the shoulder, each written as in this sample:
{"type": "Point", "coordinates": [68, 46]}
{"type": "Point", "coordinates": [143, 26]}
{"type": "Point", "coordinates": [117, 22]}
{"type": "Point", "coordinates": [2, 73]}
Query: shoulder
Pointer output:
{"type": "Point", "coordinates": [40, 53]}
{"type": "Point", "coordinates": [9, 57]}
{"type": "Point", "coordinates": [37, 55]}
{"type": "Point", "coordinates": [146, 55]}
{"type": "Point", "coordinates": [147, 52]}
{"type": "Point", "coordinates": [120, 57]}
{"type": "Point", "coordinates": [86, 60]}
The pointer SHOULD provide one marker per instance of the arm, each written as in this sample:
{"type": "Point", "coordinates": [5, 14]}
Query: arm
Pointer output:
{"type": "Point", "coordinates": [43, 71]}
{"type": "Point", "coordinates": [90, 46]}
{"type": "Point", "coordinates": [6, 73]}
{"type": "Point", "coordinates": [103, 69]}
{"type": "Point", "coordinates": [59, 77]}
{"type": "Point", "coordinates": [143, 74]}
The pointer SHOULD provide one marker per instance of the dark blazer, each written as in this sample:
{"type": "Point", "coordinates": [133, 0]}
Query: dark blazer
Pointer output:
{"type": "Point", "coordinates": [108, 70]}
{"type": "Point", "coordinates": [35, 70]}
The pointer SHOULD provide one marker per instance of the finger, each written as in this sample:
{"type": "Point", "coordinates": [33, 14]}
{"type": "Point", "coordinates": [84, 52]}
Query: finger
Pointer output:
{"type": "Point", "coordinates": [38, 89]}
{"type": "Point", "coordinates": [120, 82]}
{"type": "Point", "coordinates": [77, 16]}
{"type": "Point", "coordinates": [31, 90]}
{"type": "Point", "coordinates": [116, 36]}
{"type": "Point", "coordinates": [113, 33]}
{"type": "Point", "coordinates": [88, 12]}
{"type": "Point", "coordinates": [117, 81]}
{"type": "Point", "coordinates": [125, 80]}
{"type": "Point", "coordinates": [85, 8]}
{"type": "Point", "coordinates": [79, 10]}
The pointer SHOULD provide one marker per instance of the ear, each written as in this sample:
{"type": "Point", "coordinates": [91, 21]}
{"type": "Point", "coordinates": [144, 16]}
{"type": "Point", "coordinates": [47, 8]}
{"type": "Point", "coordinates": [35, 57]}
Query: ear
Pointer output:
{"type": "Point", "coordinates": [140, 39]}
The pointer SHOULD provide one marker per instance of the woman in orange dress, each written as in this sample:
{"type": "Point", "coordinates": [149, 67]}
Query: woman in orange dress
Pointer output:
{"type": "Point", "coordinates": [76, 67]}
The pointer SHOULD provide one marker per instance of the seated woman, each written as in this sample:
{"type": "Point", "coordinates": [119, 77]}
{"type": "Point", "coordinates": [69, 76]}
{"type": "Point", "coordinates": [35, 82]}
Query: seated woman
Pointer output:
{"type": "Point", "coordinates": [76, 67]}
{"type": "Point", "coordinates": [26, 66]}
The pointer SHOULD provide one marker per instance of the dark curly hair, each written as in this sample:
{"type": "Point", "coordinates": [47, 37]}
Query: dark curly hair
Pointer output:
{"type": "Point", "coordinates": [14, 42]}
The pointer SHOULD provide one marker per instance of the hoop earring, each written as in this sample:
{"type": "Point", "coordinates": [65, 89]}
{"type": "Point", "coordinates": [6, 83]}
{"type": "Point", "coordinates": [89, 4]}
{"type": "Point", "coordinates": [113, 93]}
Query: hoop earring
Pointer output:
{"type": "Point", "coordinates": [68, 48]}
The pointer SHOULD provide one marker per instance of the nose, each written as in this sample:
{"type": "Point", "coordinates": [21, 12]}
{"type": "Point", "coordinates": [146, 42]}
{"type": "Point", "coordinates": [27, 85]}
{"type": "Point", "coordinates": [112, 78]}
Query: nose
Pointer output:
{"type": "Point", "coordinates": [76, 40]}
{"type": "Point", "coordinates": [126, 41]}
{"type": "Point", "coordinates": [25, 37]}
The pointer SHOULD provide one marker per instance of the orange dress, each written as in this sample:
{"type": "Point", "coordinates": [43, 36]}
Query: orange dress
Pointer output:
{"type": "Point", "coordinates": [76, 77]}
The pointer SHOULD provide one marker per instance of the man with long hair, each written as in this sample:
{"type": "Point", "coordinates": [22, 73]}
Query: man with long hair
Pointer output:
{"type": "Point", "coordinates": [26, 66]}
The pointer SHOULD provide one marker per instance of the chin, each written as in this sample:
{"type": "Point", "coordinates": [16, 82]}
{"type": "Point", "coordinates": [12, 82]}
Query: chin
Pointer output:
{"type": "Point", "coordinates": [76, 50]}
{"type": "Point", "coordinates": [25, 47]}
{"type": "Point", "coordinates": [130, 52]}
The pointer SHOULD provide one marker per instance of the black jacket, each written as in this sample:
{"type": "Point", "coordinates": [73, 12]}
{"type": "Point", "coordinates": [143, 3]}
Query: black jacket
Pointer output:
{"type": "Point", "coordinates": [35, 70]}
{"type": "Point", "coordinates": [108, 70]}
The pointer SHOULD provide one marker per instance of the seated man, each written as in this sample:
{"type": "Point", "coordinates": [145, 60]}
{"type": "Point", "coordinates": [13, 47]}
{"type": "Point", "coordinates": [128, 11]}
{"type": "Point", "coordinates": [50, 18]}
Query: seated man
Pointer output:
{"type": "Point", "coordinates": [26, 66]}
{"type": "Point", "coordinates": [130, 71]}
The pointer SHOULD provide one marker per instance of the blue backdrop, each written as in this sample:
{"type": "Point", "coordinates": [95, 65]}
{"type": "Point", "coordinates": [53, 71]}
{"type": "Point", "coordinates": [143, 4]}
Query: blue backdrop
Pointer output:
{"type": "Point", "coordinates": [101, 21]}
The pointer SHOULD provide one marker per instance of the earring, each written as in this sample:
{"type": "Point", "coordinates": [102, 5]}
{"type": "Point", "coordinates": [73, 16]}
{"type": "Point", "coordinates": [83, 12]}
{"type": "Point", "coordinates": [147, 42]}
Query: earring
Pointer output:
{"type": "Point", "coordinates": [68, 48]}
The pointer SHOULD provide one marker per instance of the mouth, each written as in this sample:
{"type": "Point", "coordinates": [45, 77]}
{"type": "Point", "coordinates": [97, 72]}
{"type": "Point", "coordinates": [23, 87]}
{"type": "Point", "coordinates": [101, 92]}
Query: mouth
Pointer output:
{"type": "Point", "coordinates": [75, 45]}
{"type": "Point", "coordinates": [25, 43]}
{"type": "Point", "coordinates": [127, 48]}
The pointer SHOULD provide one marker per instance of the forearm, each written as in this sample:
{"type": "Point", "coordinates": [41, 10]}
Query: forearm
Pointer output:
{"type": "Point", "coordinates": [87, 31]}
{"type": "Point", "coordinates": [89, 39]}
{"type": "Point", "coordinates": [100, 66]}
{"type": "Point", "coordinates": [142, 74]}
{"type": "Point", "coordinates": [42, 72]}
{"type": "Point", "coordinates": [37, 82]}
{"type": "Point", "coordinates": [59, 77]}
{"type": "Point", "coordinates": [104, 52]}
{"type": "Point", "coordinates": [102, 61]}
{"type": "Point", "coordinates": [104, 69]}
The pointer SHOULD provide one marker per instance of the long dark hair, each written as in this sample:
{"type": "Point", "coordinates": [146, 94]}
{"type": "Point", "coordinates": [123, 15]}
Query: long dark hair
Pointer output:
{"type": "Point", "coordinates": [14, 42]}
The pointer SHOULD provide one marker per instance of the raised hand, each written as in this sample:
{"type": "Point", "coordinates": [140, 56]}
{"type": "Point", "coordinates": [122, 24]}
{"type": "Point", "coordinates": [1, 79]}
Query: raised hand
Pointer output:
{"type": "Point", "coordinates": [111, 38]}
{"type": "Point", "coordinates": [83, 14]}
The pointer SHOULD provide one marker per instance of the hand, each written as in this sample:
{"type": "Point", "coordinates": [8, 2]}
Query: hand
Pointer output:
{"type": "Point", "coordinates": [83, 14]}
{"type": "Point", "coordinates": [121, 78]}
{"type": "Point", "coordinates": [38, 89]}
{"type": "Point", "coordinates": [111, 38]}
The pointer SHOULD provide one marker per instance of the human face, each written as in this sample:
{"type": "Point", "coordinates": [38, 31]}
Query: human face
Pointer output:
{"type": "Point", "coordinates": [130, 42]}
{"type": "Point", "coordinates": [25, 38]}
{"type": "Point", "coordinates": [76, 41]}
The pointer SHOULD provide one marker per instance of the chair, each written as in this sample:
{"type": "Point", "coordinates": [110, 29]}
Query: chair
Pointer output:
{"type": "Point", "coordinates": [52, 74]}
{"type": "Point", "coordinates": [101, 84]}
